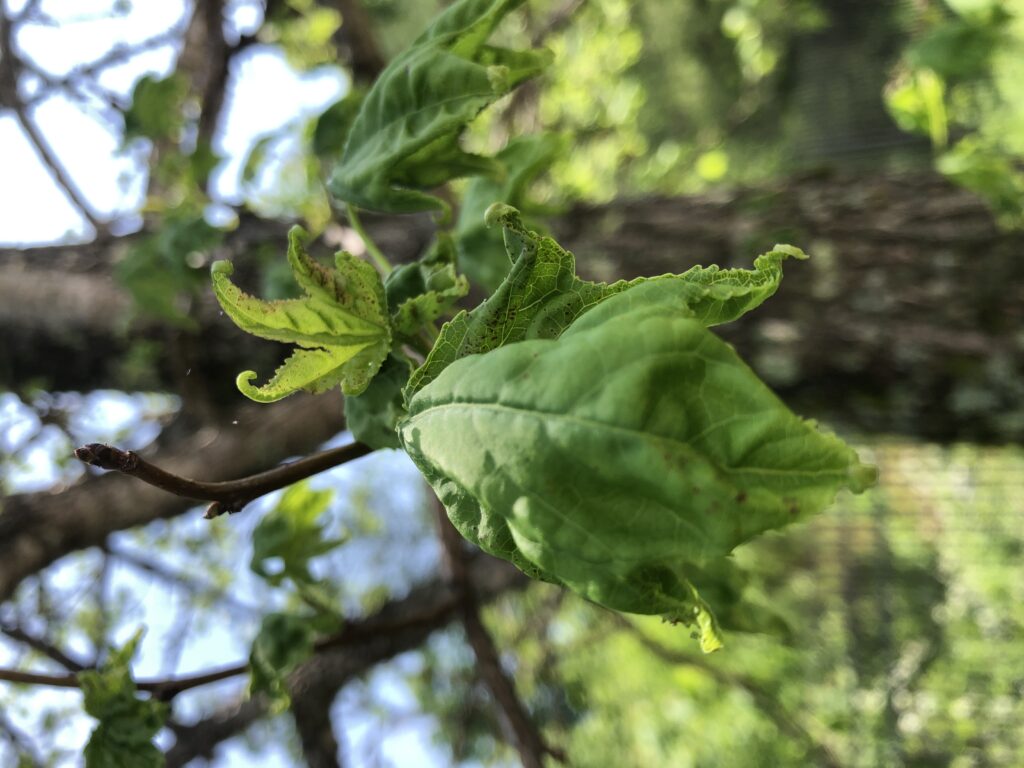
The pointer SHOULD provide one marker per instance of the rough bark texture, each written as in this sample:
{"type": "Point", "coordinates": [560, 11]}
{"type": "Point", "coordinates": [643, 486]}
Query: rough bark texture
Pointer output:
{"type": "Point", "coordinates": [905, 320]}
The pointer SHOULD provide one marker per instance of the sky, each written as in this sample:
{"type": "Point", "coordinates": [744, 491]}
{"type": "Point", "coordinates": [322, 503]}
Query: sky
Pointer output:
{"type": "Point", "coordinates": [265, 96]}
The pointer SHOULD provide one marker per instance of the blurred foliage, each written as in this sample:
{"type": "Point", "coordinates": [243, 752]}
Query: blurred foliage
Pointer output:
{"type": "Point", "coordinates": [961, 82]}
{"type": "Point", "coordinates": [907, 651]}
{"type": "Point", "coordinates": [123, 738]}
{"type": "Point", "coordinates": [896, 630]}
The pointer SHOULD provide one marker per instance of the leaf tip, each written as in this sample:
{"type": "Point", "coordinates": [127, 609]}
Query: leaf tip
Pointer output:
{"type": "Point", "coordinates": [244, 383]}
{"type": "Point", "coordinates": [862, 477]}
{"type": "Point", "coordinates": [500, 214]}
{"type": "Point", "coordinates": [790, 250]}
{"type": "Point", "coordinates": [221, 268]}
{"type": "Point", "coordinates": [297, 237]}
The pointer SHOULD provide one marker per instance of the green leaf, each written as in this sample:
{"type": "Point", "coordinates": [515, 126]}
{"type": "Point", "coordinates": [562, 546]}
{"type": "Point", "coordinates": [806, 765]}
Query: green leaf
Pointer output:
{"type": "Point", "coordinates": [341, 325]}
{"type": "Point", "coordinates": [333, 126]}
{"type": "Point", "coordinates": [282, 644]}
{"type": "Point", "coordinates": [423, 291]}
{"type": "Point", "coordinates": [481, 251]}
{"type": "Point", "coordinates": [157, 271]}
{"type": "Point", "coordinates": [292, 534]}
{"type": "Point", "coordinates": [373, 415]}
{"type": "Point", "coordinates": [406, 137]}
{"type": "Point", "coordinates": [542, 296]}
{"type": "Point", "coordinates": [123, 738]}
{"type": "Point", "coordinates": [156, 110]}
{"type": "Point", "coordinates": [623, 457]}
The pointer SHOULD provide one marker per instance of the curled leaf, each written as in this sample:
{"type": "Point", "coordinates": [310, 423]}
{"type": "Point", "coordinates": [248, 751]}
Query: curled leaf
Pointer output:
{"type": "Point", "coordinates": [423, 291]}
{"type": "Point", "coordinates": [542, 296]}
{"type": "Point", "coordinates": [341, 326]}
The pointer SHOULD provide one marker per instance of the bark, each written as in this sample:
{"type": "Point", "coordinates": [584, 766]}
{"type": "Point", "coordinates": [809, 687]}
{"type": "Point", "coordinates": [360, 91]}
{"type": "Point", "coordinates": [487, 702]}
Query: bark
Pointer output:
{"type": "Point", "coordinates": [37, 529]}
{"type": "Point", "coordinates": [903, 321]}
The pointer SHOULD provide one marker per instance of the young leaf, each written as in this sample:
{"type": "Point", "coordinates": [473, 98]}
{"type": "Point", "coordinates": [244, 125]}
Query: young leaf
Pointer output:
{"type": "Point", "coordinates": [123, 738]}
{"type": "Point", "coordinates": [292, 534]}
{"type": "Point", "coordinates": [423, 291]}
{"type": "Point", "coordinates": [373, 415]}
{"type": "Point", "coordinates": [341, 325]}
{"type": "Point", "coordinates": [624, 456]}
{"type": "Point", "coordinates": [283, 642]}
{"type": "Point", "coordinates": [542, 296]}
{"type": "Point", "coordinates": [405, 138]}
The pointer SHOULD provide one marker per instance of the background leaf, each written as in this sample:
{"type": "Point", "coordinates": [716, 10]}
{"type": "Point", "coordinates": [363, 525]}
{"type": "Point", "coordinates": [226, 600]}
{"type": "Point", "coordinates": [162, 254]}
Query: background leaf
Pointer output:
{"type": "Point", "coordinates": [123, 738]}
{"type": "Point", "coordinates": [406, 136]}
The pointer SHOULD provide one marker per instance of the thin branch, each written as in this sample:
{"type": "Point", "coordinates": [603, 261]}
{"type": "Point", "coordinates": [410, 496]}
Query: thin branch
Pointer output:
{"type": "Point", "coordinates": [188, 582]}
{"type": "Point", "coordinates": [227, 496]}
{"type": "Point", "coordinates": [161, 688]}
{"type": "Point", "coordinates": [11, 64]}
{"type": "Point", "coordinates": [60, 175]}
{"type": "Point", "coordinates": [21, 742]}
{"type": "Point", "coordinates": [43, 646]}
{"type": "Point", "coordinates": [522, 733]}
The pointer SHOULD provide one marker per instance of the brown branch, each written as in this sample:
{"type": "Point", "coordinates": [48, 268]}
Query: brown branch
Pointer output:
{"type": "Point", "coordinates": [38, 528]}
{"type": "Point", "coordinates": [43, 646]}
{"type": "Point", "coordinates": [521, 731]}
{"type": "Point", "coordinates": [226, 496]}
{"type": "Point", "coordinates": [187, 582]}
{"type": "Point", "coordinates": [11, 65]}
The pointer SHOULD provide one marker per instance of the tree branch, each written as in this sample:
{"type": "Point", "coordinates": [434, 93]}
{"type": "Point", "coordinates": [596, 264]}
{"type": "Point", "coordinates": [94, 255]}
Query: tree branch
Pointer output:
{"type": "Point", "coordinates": [11, 64]}
{"type": "Point", "coordinates": [229, 495]}
{"type": "Point", "coordinates": [43, 646]}
{"type": "Point", "coordinates": [521, 731]}
{"type": "Point", "coordinates": [36, 529]}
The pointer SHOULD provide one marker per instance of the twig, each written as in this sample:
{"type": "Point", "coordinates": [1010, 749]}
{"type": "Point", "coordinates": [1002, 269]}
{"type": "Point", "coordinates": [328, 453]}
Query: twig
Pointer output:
{"type": "Point", "coordinates": [21, 742]}
{"type": "Point", "coordinates": [523, 734]}
{"type": "Point", "coordinates": [226, 496]}
{"type": "Point", "coordinates": [43, 646]}
{"type": "Point", "coordinates": [60, 175]}
{"type": "Point", "coordinates": [371, 247]}
{"type": "Point", "coordinates": [163, 689]}
{"type": "Point", "coordinates": [10, 63]}
{"type": "Point", "coordinates": [188, 582]}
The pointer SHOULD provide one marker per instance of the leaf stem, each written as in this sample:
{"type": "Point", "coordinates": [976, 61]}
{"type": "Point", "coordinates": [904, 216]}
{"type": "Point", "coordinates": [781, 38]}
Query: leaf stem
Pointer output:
{"type": "Point", "coordinates": [226, 496]}
{"type": "Point", "coordinates": [371, 247]}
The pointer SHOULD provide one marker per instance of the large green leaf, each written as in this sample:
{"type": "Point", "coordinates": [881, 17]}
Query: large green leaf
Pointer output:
{"type": "Point", "coordinates": [405, 138]}
{"type": "Point", "coordinates": [612, 458]}
{"type": "Point", "coordinates": [341, 325]}
{"type": "Point", "coordinates": [542, 296]}
{"type": "Point", "coordinates": [123, 738]}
